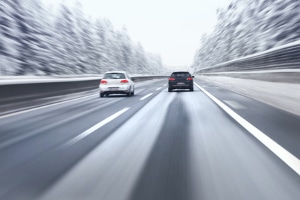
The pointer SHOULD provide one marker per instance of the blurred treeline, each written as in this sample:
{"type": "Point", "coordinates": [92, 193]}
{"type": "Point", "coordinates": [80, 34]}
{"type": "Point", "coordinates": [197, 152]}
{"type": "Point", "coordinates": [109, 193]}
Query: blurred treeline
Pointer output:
{"type": "Point", "coordinates": [36, 40]}
{"type": "Point", "coordinates": [249, 26]}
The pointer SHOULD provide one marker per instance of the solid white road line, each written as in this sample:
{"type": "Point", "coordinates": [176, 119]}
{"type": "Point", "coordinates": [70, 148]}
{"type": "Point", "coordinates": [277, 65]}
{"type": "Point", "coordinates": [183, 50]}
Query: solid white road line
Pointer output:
{"type": "Point", "coordinates": [158, 88]}
{"type": "Point", "coordinates": [95, 127]}
{"type": "Point", "coordinates": [235, 104]}
{"type": "Point", "coordinates": [292, 161]}
{"type": "Point", "coordinates": [46, 106]}
{"type": "Point", "coordinates": [145, 97]}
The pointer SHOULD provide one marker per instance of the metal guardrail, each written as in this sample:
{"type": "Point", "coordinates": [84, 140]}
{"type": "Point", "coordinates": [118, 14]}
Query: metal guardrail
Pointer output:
{"type": "Point", "coordinates": [20, 91]}
{"type": "Point", "coordinates": [283, 57]}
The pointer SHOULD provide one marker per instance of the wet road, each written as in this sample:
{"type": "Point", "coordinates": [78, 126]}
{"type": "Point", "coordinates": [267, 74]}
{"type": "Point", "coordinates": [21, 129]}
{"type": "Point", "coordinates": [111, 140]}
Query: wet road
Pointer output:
{"type": "Point", "coordinates": [154, 145]}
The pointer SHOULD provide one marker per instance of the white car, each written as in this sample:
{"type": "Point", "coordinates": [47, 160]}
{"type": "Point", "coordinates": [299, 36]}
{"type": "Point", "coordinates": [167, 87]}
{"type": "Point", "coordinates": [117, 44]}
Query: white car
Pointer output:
{"type": "Point", "coordinates": [116, 82]}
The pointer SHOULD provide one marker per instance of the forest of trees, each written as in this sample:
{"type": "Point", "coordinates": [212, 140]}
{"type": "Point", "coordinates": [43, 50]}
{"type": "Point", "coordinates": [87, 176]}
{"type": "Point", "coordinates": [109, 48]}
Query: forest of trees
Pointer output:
{"type": "Point", "coordinates": [37, 41]}
{"type": "Point", "coordinates": [249, 26]}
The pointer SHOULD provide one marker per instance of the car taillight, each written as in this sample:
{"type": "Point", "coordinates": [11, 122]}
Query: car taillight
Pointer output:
{"type": "Point", "coordinates": [189, 79]}
{"type": "Point", "coordinates": [171, 79]}
{"type": "Point", "coordinates": [124, 81]}
{"type": "Point", "coordinates": [103, 82]}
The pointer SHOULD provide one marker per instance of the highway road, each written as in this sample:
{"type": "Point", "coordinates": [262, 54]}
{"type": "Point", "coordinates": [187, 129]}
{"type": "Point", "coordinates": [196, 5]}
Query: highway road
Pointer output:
{"type": "Point", "coordinates": [210, 144]}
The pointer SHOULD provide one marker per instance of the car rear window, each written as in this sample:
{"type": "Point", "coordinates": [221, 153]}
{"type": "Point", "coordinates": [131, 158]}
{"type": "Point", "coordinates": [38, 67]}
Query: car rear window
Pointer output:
{"type": "Point", "coordinates": [180, 75]}
{"type": "Point", "coordinates": [114, 76]}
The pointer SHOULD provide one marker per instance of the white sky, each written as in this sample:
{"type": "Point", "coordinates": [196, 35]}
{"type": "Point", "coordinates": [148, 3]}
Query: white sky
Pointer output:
{"type": "Point", "coordinates": [171, 28]}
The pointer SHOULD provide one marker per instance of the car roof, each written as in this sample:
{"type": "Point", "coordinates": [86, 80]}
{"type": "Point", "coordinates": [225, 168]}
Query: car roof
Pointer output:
{"type": "Point", "coordinates": [181, 72]}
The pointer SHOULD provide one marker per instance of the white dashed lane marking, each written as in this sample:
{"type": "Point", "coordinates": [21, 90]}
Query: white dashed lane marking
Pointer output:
{"type": "Point", "coordinates": [145, 97]}
{"type": "Point", "coordinates": [95, 127]}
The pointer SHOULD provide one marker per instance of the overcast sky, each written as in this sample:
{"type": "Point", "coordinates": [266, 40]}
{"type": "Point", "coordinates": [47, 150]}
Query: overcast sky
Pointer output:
{"type": "Point", "coordinates": [171, 28]}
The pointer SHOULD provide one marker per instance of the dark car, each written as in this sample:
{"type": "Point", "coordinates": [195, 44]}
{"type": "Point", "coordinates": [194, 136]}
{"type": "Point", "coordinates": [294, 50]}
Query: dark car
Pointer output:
{"type": "Point", "coordinates": [181, 80]}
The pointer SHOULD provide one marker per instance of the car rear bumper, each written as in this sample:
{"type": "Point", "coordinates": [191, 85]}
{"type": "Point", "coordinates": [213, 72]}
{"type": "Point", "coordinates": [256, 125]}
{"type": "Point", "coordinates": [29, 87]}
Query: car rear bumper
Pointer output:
{"type": "Point", "coordinates": [114, 89]}
{"type": "Point", "coordinates": [182, 86]}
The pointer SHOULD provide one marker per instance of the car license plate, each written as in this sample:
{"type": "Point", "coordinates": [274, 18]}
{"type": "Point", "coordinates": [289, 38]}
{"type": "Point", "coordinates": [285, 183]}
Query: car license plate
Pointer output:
{"type": "Point", "coordinates": [180, 83]}
{"type": "Point", "coordinates": [114, 88]}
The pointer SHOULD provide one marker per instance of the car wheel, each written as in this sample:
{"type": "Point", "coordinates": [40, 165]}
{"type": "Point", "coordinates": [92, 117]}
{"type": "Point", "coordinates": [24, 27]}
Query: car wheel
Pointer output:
{"type": "Point", "coordinates": [101, 94]}
{"type": "Point", "coordinates": [169, 89]}
{"type": "Point", "coordinates": [132, 93]}
{"type": "Point", "coordinates": [192, 89]}
{"type": "Point", "coordinates": [129, 93]}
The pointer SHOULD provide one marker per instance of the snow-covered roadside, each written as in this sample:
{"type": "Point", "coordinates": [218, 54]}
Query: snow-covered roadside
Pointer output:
{"type": "Point", "coordinates": [285, 96]}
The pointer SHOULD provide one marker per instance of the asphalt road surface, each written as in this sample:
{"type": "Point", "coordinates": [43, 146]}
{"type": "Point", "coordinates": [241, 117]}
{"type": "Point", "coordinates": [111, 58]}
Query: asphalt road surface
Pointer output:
{"type": "Point", "coordinates": [210, 144]}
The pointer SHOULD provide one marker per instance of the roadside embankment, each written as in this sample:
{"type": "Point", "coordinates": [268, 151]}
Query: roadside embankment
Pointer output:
{"type": "Point", "coordinates": [279, 93]}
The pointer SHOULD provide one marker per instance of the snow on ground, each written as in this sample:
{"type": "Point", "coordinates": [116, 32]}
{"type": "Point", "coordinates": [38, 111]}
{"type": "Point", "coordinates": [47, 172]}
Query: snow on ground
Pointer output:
{"type": "Point", "coordinates": [285, 96]}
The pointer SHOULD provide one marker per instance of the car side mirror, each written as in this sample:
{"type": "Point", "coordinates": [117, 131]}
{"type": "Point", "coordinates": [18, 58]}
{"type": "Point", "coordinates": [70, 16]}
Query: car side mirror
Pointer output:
{"type": "Point", "coordinates": [193, 76]}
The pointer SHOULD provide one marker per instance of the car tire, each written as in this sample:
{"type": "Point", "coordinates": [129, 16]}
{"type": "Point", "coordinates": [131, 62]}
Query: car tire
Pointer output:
{"type": "Point", "coordinates": [169, 89]}
{"type": "Point", "coordinates": [101, 94]}
{"type": "Point", "coordinates": [132, 93]}
{"type": "Point", "coordinates": [129, 93]}
{"type": "Point", "coordinates": [192, 89]}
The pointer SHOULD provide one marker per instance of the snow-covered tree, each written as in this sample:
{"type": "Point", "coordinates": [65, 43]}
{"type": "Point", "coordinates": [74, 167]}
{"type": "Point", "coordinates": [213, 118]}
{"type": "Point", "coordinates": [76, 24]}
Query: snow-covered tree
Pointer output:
{"type": "Point", "coordinates": [34, 40]}
{"type": "Point", "coordinates": [249, 26]}
{"type": "Point", "coordinates": [9, 32]}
